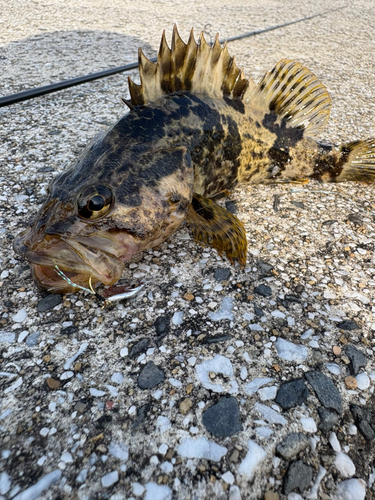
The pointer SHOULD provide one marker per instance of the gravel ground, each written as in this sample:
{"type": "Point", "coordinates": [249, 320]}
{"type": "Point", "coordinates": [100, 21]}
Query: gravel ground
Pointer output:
{"type": "Point", "coordinates": [213, 382]}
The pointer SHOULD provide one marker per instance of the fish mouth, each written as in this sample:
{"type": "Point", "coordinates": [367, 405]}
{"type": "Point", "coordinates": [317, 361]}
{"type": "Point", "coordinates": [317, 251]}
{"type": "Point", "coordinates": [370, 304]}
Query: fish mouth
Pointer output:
{"type": "Point", "coordinates": [85, 263]}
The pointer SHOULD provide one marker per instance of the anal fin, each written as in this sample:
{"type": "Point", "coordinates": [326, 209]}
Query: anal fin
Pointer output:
{"type": "Point", "coordinates": [214, 226]}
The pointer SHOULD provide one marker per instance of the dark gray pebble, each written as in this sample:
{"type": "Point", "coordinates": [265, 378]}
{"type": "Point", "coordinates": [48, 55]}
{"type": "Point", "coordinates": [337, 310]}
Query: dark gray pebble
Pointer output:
{"type": "Point", "coordinates": [231, 206]}
{"type": "Point", "coordinates": [48, 302]}
{"type": "Point", "coordinates": [291, 445]}
{"type": "Point", "coordinates": [356, 219]}
{"type": "Point", "coordinates": [325, 390]}
{"type": "Point", "coordinates": [258, 312]}
{"type": "Point", "coordinates": [223, 419]}
{"type": "Point", "coordinates": [357, 359]}
{"type": "Point", "coordinates": [328, 419]}
{"type": "Point", "coordinates": [298, 477]}
{"type": "Point", "coordinates": [150, 376]}
{"type": "Point", "coordinates": [298, 204]}
{"type": "Point", "coordinates": [161, 325]}
{"type": "Point", "coordinates": [363, 420]}
{"type": "Point", "coordinates": [216, 338]}
{"type": "Point", "coordinates": [32, 339]}
{"type": "Point", "coordinates": [292, 393]}
{"type": "Point", "coordinates": [141, 415]}
{"type": "Point", "coordinates": [299, 289]}
{"type": "Point", "coordinates": [263, 290]}
{"type": "Point", "coordinates": [347, 325]}
{"type": "Point", "coordinates": [222, 274]}
{"type": "Point", "coordinates": [139, 348]}
{"type": "Point", "coordinates": [264, 268]}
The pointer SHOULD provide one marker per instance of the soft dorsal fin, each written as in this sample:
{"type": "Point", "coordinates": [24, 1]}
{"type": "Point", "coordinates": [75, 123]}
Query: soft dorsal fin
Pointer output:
{"type": "Point", "coordinates": [196, 67]}
{"type": "Point", "coordinates": [291, 91]}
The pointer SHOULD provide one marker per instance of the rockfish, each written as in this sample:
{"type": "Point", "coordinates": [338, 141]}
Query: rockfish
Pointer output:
{"type": "Point", "coordinates": [196, 129]}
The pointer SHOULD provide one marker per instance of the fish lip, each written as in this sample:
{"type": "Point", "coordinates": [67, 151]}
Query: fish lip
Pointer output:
{"type": "Point", "coordinates": [76, 263]}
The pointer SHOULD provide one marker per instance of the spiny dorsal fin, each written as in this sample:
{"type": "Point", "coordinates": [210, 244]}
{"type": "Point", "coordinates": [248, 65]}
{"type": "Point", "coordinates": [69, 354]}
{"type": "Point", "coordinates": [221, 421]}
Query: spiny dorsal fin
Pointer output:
{"type": "Point", "coordinates": [194, 67]}
{"type": "Point", "coordinates": [291, 91]}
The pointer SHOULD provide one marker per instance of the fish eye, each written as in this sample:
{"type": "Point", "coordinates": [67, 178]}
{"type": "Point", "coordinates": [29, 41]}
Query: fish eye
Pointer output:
{"type": "Point", "coordinates": [94, 202]}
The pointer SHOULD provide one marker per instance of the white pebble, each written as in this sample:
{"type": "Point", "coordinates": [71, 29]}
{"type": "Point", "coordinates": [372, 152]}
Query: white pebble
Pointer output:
{"type": "Point", "coordinates": [289, 351]}
{"type": "Point", "coordinates": [201, 448]}
{"type": "Point", "coordinates": [267, 393]}
{"type": "Point", "coordinates": [96, 392]}
{"type": "Point", "coordinates": [363, 381]}
{"type": "Point", "coordinates": [110, 479]}
{"type": "Point", "coordinates": [177, 318]}
{"type": "Point", "coordinates": [20, 316]}
{"type": "Point", "coordinates": [243, 373]}
{"type": "Point", "coordinates": [254, 457]}
{"type": "Point", "coordinates": [334, 442]}
{"type": "Point", "coordinates": [157, 492]}
{"type": "Point", "coordinates": [44, 431]}
{"type": "Point", "coordinates": [308, 424]}
{"type": "Point", "coordinates": [344, 465]}
{"type": "Point", "coordinates": [124, 352]}
{"type": "Point", "coordinates": [234, 493]}
{"type": "Point", "coordinates": [117, 378]}
{"type": "Point", "coordinates": [138, 489]}
{"type": "Point", "coordinates": [67, 457]}
{"type": "Point", "coordinates": [5, 483]}
{"type": "Point", "coordinates": [351, 489]}
{"type": "Point", "coordinates": [228, 477]}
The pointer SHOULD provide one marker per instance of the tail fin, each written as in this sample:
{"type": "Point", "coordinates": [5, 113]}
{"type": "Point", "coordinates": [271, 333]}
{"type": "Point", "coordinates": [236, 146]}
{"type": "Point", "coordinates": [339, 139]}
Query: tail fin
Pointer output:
{"type": "Point", "coordinates": [358, 161]}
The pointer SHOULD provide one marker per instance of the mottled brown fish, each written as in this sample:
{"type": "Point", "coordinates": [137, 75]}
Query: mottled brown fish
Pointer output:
{"type": "Point", "coordinates": [196, 129]}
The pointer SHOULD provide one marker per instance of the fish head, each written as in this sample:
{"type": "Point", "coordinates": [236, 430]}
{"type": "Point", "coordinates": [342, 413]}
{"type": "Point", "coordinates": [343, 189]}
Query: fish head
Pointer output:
{"type": "Point", "coordinates": [97, 216]}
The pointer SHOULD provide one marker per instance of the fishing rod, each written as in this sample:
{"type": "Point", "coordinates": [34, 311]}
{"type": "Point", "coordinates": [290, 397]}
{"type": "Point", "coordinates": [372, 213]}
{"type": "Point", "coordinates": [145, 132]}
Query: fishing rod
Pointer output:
{"type": "Point", "coordinates": [65, 84]}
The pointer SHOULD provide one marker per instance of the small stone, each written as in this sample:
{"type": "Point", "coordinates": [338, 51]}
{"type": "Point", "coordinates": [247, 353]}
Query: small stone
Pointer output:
{"type": "Point", "coordinates": [291, 352]}
{"type": "Point", "coordinates": [222, 274]}
{"type": "Point", "coordinates": [357, 359]}
{"type": "Point", "coordinates": [271, 495]}
{"type": "Point", "coordinates": [228, 477]}
{"type": "Point", "coordinates": [325, 390]}
{"type": "Point", "coordinates": [80, 407]}
{"type": "Point", "coordinates": [234, 456]}
{"type": "Point", "coordinates": [347, 325]}
{"type": "Point", "coordinates": [188, 296]}
{"type": "Point", "coordinates": [291, 445]}
{"type": "Point", "coordinates": [363, 420]}
{"type": "Point", "coordinates": [344, 465]}
{"type": "Point", "coordinates": [231, 207]}
{"type": "Point", "coordinates": [264, 268]}
{"type": "Point", "coordinates": [351, 382]}
{"type": "Point", "coordinates": [110, 479]}
{"type": "Point", "coordinates": [20, 316]}
{"type": "Point", "coordinates": [336, 350]}
{"type": "Point", "coordinates": [177, 318]}
{"type": "Point", "coordinates": [53, 384]}
{"type": "Point", "coordinates": [161, 325]}
{"type": "Point", "coordinates": [185, 405]}
{"type": "Point", "coordinates": [263, 290]}
{"type": "Point", "coordinates": [351, 489]}
{"type": "Point", "coordinates": [32, 339]}
{"type": "Point", "coordinates": [49, 302]}
{"type": "Point", "coordinates": [150, 376]}
{"type": "Point", "coordinates": [139, 348]}
{"type": "Point", "coordinates": [298, 477]}
{"type": "Point", "coordinates": [363, 381]}
{"type": "Point", "coordinates": [8, 337]}
{"type": "Point", "coordinates": [292, 393]}
{"type": "Point", "coordinates": [223, 418]}
{"type": "Point", "coordinates": [328, 419]}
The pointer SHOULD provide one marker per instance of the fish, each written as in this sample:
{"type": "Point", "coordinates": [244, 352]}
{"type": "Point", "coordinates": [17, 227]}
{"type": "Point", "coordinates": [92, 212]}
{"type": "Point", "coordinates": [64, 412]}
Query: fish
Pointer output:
{"type": "Point", "coordinates": [196, 128]}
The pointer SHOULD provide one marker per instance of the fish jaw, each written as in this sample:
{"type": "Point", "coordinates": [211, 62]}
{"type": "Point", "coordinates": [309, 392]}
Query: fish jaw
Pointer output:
{"type": "Point", "coordinates": [90, 261]}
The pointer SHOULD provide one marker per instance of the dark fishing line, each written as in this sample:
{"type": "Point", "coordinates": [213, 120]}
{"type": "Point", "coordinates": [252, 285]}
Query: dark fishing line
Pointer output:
{"type": "Point", "coordinates": [65, 84]}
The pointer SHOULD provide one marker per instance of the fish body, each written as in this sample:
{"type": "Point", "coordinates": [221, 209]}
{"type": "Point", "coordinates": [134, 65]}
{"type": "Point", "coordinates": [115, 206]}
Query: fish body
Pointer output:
{"type": "Point", "coordinates": [196, 129]}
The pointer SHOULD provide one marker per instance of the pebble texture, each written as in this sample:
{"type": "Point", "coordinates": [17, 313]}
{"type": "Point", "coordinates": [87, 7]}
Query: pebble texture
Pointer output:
{"type": "Point", "coordinates": [82, 418]}
{"type": "Point", "coordinates": [223, 419]}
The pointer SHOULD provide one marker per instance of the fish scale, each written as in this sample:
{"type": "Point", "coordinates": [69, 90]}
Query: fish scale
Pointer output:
{"type": "Point", "coordinates": [197, 127]}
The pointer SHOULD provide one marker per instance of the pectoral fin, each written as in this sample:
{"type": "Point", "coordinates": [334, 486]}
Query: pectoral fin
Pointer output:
{"type": "Point", "coordinates": [214, 226]}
